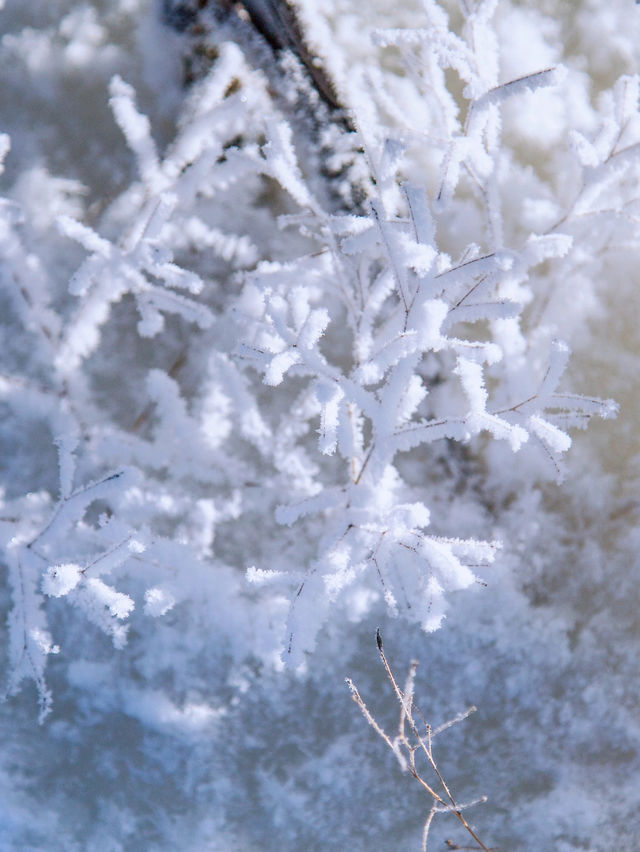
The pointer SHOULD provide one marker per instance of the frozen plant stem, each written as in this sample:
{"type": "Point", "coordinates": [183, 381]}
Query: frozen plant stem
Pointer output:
{"type": "Point", "coordinates": [405, 749]}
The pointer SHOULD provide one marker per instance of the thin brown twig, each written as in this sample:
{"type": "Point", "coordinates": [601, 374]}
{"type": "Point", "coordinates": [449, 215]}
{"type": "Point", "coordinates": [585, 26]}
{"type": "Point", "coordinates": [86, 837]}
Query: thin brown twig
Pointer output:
{"type": "Point", "coordinates": [405, 749]}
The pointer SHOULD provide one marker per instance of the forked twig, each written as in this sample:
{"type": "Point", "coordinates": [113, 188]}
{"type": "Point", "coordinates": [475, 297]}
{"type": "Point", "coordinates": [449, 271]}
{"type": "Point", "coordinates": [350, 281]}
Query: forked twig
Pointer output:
{"type": "Point", "coordinates": [405, 750]}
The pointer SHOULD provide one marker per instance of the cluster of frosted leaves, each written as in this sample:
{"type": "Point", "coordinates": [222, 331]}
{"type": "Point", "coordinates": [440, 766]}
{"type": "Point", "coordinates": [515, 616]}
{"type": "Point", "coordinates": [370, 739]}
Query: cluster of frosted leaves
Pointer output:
{"type": "Point", "coordinates": [265, 477]}
{"type": "Point", "coordinates": [143, 476]}
{"type": "Point", "coordinates": [405, 306]}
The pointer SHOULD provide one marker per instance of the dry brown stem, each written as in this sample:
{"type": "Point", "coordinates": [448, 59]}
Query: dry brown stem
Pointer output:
{"type": "Point", "coordinates": [415, 738]}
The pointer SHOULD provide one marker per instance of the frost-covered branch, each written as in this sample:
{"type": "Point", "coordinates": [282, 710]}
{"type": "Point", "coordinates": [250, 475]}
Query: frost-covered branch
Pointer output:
{"type": "Point", "coordinates": [284, 373]}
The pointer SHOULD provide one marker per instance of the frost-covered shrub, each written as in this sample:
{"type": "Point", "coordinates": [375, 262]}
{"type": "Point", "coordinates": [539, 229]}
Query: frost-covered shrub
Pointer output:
{"type": "Point", "coordinates": [240, 375]}
{"type": "Point", "coordinates": [298, 358]}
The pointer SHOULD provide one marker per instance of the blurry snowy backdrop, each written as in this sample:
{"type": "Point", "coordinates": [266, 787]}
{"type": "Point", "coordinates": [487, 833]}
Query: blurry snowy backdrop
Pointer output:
{"type": "Point", "coordinates": [300, 325]}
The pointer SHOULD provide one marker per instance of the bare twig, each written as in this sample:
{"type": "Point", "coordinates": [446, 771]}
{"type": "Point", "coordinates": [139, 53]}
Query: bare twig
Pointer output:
{"type": "Point", "coordinates": [416, 738]}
